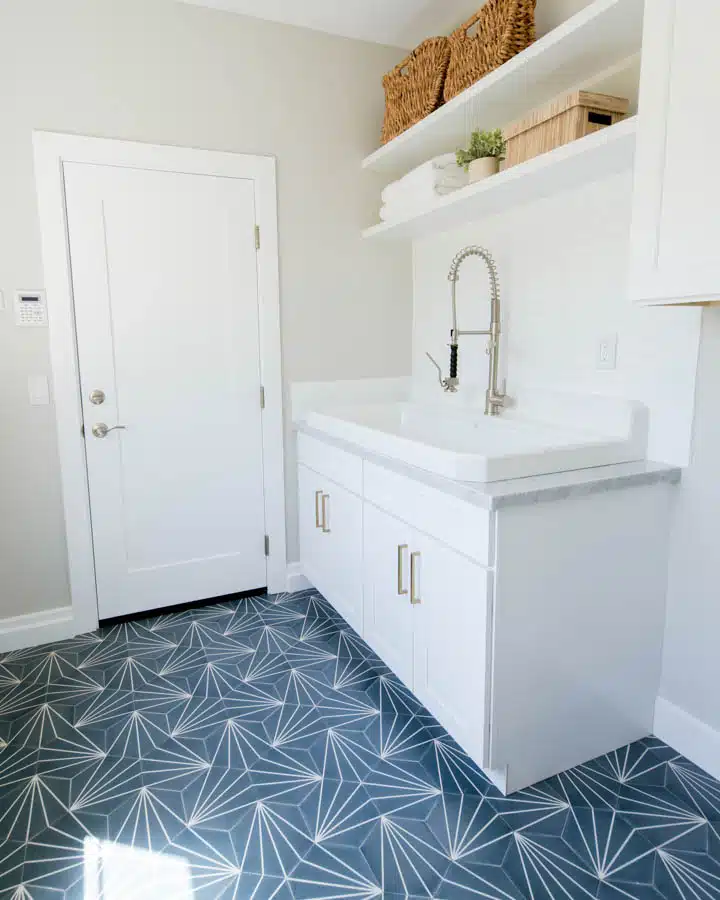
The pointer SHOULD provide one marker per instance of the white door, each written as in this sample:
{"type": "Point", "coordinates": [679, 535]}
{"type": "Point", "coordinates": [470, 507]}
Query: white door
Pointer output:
{"type": "Point", "coordinates": [164, 276]}
{"type": "Point", "coordinates": [389, 618]}
{"type": "Point", "coordinates": [452, 641]}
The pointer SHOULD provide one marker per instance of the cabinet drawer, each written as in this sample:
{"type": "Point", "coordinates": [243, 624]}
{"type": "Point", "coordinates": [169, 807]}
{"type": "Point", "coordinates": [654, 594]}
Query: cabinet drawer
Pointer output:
{"type": "Point", "coordinates": [460, 525]}
{"type": "Point", "coordinates": [343, 468]}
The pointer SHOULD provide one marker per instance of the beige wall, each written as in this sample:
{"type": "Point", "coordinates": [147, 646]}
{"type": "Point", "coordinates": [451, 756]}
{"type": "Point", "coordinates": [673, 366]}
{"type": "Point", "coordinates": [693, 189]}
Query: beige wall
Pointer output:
{"type": "Point", "coordinates": [162, 72]}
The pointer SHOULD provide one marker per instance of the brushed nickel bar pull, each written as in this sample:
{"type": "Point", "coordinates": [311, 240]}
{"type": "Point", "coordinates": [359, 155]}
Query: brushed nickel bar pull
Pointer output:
{"type": "Point", "coordinates": [325, 526]}
{"type": "Point", "coordinates": [402, 590]}
{"type": "Point", "coordinates": [318, 495]}
{"type": "Point", "coordinates": [414, 560]}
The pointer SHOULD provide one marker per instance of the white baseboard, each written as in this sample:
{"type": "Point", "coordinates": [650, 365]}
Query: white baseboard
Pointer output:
{"type": "Point", "coordinates": [296, 581]}
{"type": "Point", "coordinates": [34, 629]}
{"type": "Point", "coordinates": [694, 739]}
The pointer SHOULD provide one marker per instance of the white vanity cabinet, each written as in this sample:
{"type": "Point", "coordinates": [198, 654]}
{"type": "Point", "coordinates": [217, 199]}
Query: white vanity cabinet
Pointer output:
{"type": "Point", "coordinates": [452, 631]}
{"type": "Point", "coordinates": [330, 530]}
{"type": "Point", "coordinates": [389, 614]}
{"type": "Point", "coordinates": [676, 231]}
{"type": "Point", "coordinates": [427, 617]}
{"type": "Point", "coordinates": [530, 628]}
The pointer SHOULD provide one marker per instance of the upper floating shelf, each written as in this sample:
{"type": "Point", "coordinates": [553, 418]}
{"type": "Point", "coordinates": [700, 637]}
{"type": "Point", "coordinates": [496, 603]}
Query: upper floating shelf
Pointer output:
{"type": "Point", "coordinates": [599, 155]}
{"type": "Point", "coordinates": [599, 37]}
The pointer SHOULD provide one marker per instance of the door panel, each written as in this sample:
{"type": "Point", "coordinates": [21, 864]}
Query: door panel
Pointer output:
{"type": "Point", "coordinates": [330, 524]}
{"type": "Point", "coordinates": [388, 613]}
{"type": "Point", "coordinates": [674, 236]}
{"type": "Point", "coordinates": [165, 293]}
{"type": "Point", "coordinates": [341, 552]}
{"type": "Point", "coordinates": [452, 639]}
{"type": "Point", "coordinates": [309, 491]}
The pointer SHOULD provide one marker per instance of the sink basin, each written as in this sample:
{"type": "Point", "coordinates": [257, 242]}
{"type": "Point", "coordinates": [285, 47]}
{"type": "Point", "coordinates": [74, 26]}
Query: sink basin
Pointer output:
{"type": "Point", "coordinates": [467, 446]}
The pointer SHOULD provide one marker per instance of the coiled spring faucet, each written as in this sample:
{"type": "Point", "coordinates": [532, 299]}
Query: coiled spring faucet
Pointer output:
{"type": "Point", "coordinates": [494, 398]}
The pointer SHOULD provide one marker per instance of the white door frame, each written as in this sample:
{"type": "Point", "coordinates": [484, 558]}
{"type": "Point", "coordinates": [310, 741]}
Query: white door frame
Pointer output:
{"type": "Point", "coordinates": [52, 151]}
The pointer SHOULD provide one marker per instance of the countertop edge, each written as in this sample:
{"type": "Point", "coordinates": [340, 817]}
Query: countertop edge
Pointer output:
{"type": "Point", "coordinates": [518, 491]}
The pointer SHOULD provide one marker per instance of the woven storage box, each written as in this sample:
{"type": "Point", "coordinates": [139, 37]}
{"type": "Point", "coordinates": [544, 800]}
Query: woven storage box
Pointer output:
{"type": "Point", "coordinates": [562, 121]}
{"type": "Point", "coordinates": [414, 89]}
{"type": "Point", "coordinates": [499, 31]}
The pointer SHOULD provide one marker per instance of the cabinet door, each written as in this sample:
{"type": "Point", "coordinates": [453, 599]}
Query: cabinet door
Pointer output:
{"type": "Point", "coordinates": [676, 230]}
{"type": "Point", "coordinates": [330, 526]}
{"type": "Point", "coordinates": [452, 641]}
{"type": "Point", "coordinates": [339, 565]}
{"type": "Point", "coordinates": [309, 493]}
{"type": "Point", "coordinates": [388, 612]}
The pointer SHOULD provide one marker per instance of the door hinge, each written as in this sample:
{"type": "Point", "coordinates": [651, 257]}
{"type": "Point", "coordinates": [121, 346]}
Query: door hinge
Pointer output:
{"type": "Point", "coordinates": [267, 545]}
{"type": "Point", "coordinates": [257, 237]}
{"type": "Point", "coordinates": [262, 397]}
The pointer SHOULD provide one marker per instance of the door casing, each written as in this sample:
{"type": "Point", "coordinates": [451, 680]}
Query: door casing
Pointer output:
{"type": "Point", "coordinates": [52, 151]}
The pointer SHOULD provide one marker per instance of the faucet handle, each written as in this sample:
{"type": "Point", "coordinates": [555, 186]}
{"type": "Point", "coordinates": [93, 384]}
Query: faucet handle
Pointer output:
{"type": "Point", "coordinates": [496, 400]}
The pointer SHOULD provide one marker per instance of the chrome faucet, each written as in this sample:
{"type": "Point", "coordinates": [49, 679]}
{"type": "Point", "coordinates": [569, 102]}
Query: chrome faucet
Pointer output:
{"type": "Point", "coordinates": [494, 398]}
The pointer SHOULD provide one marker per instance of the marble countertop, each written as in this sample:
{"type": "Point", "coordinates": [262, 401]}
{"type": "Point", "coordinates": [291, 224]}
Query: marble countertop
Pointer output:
{"type": "Point", "coordinates": [520, 491]}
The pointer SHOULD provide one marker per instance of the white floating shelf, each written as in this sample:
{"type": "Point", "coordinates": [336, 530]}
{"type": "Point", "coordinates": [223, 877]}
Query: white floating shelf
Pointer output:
{"type": "Point", "coordinates": [589, 159]}
{"type": "Point", "coordinates": [598, 38]}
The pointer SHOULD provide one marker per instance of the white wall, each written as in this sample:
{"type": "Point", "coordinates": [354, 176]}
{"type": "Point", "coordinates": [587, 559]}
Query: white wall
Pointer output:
{"type": "Point", "coordinates": [562, 265]}
{"type": "Point", "coordinates": [162, 72]}
{"type": "Point", "coordinates": [691, 672]}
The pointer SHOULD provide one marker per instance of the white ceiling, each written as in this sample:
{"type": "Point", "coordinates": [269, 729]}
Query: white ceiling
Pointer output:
{"type": "Point", "coordinates": [400, 23]}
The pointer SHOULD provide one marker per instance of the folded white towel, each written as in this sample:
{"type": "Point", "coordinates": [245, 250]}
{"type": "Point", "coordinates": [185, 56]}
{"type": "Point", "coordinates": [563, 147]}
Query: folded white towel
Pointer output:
{"type": "Point", "coordinates": [442, 172]}
{"type": "Point", "coordinates": [414, 203]}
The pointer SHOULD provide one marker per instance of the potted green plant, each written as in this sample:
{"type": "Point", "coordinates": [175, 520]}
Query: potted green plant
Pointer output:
{"type": "Point", "coordinates": [483, 155]}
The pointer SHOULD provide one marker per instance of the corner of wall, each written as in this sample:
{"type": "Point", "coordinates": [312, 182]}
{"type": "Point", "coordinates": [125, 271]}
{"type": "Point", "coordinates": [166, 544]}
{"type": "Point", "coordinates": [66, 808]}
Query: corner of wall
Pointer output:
{"type": "Point", "coordinates": [694, 739]}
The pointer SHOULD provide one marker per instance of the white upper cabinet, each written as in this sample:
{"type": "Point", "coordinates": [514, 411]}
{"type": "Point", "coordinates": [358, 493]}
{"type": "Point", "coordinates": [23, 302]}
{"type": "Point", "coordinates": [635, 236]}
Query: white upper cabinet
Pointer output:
{"type": "Point", "coordinates": [675, 237]}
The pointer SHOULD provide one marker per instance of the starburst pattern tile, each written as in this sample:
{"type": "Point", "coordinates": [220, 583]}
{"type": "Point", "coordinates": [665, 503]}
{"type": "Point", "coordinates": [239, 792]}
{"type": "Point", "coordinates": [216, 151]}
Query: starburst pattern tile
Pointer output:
{"type": "Point", "coordinates": [258, 749]}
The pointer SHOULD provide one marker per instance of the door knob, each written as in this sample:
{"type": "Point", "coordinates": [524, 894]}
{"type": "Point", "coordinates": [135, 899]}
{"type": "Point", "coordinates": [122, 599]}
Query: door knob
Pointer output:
{"type": "Point", "coordinates": [101, 430]}
{"type": "Point", "coordinates": [97, 398]}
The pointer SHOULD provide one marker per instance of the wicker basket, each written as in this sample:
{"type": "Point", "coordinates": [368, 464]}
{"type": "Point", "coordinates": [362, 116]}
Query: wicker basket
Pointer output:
{"type": "Point", "coordinates": [500, 30]}
{"type": "Point", "coordinates": [414, 89]}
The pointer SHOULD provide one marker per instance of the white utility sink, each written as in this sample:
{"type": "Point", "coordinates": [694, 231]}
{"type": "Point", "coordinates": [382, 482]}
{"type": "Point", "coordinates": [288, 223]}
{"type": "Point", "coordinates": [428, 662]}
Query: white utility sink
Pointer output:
{"type": "Point", "coordinates": [465, 445]}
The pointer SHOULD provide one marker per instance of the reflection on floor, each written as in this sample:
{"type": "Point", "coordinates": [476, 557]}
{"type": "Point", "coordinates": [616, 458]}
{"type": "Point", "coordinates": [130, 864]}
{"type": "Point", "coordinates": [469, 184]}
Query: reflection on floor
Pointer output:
{"type": "Point", "coordinates": [258, 749]}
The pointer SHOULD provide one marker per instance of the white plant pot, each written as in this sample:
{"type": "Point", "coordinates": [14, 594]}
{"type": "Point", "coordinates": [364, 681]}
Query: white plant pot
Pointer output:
{"type": "Point", "coordinates": [484, 168]}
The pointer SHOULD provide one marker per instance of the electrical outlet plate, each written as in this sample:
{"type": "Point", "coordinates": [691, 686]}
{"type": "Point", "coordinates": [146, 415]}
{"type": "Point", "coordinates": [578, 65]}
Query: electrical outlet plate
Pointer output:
{"type": "Point", "coordinates": [607, 351]}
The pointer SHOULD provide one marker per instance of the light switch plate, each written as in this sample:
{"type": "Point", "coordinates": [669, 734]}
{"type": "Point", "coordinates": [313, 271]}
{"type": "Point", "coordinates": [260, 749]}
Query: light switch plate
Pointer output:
{"type": "Point", "coordinates": [38, 390]}
{"type": "Point", "coordinates": [607, 352]}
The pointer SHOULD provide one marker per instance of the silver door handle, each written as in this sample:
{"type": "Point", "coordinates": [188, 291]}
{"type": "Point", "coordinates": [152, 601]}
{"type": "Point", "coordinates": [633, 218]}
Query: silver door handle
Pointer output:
{"type": "Point", "coordinates": [402, 590]}
{"type": "Point", "coordinates": [415, 599]}
{"type": "Point", "coordinates": [102, 430]}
